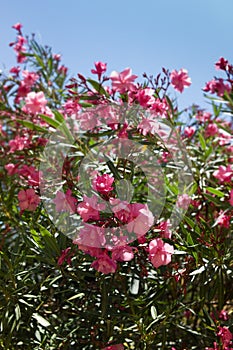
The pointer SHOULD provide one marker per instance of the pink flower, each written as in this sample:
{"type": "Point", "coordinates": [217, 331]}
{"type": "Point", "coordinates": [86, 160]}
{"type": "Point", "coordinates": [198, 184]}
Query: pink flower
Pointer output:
{"type": "Point", "coordinates": [32, 175]}
{"type": "Point", "coordinates": [104, 264]}
{"type": "Point", "coordinates": [223, 220]}
{"type": "Point", "coordinates": [15, 70]}
{"type": "Point", "coordinates": [123, 81]}
{"type": "Point", "coordinates": [103, 183]}
{"type": "Point", "coordinates": [211, 130]}
{"type": "Point", "coordinates": [224, 174]}
{"type": "Point", "coordinates": [145, 97]}
{"type": "Point", "coordinates": [64, 257]}
{"type": "Point", "coordinates": [148, 126]}
{"type": "Point", "coordinates": [89, 209]}
{"type": "Point", "coordinates": [63, 70]}
{"type": "Point", "coordinates": [114, 347]}
{"type": "Point", "coordinates": [180, 79]}
{"type": "Point", "coordinates": [17, 26]}
{"type": "Point", "coordinates": [57, 57]}
{"type": "Point", "coordinates": [71, 107]}
{"type": "Point", "coordinates": [90, 236]}
{"type": "Point", "coordinates": [160, 108]}
{"type": "Point", "coordinates": [183, 201]}
{"type": "Point", "coordinates": [35, 102]}
{"type": "Point", "coordinates": [29, 78]}
{"type": "Point", "coordinates": [19, 143]}
{"type": "Point", "coordinates": [159, 252]}
{"type": "Point", "coordinates": [65, 202]}
{"type": "Point", "coordinates": [231, 197]}
{"type": "Point", "coordinates": [217, 86]}
{"type": "Point", "coordinates": [189, 131]}
{"type": "Point", "coordinates": [225, 335]}
{"type": "Point", "coordinates": [164, 226]}
{"type": "Point", "coordinates": [141, 219]}
{"type": "Point", "coordinates": [28, 199]}
{"type": "Point", "coordinates": [100, 68]}
{"type": "Point", "coordinates": [122, 253]}
{"type": "Point", "coordinates": [11, 168]}
{"type": "Point", "coordinates": [222, 64]}
{"type": "Point", "coordinates": [223, 315]}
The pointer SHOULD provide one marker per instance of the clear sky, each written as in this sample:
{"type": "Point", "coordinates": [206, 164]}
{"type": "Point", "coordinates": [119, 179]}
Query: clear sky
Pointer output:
{"type": "Point", "coordinates": [144, 35]}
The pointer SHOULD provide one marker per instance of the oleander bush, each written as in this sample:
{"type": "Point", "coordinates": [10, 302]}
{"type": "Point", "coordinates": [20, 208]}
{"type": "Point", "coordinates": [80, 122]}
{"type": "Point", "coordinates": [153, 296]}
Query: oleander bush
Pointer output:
{"type": "Point", "coordinates": [116, 208]}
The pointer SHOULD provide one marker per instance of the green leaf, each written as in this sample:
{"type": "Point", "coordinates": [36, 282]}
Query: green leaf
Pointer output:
{"type": "Point", "coordinates": [54, 123]}
{"type": "Point", "coordinates": [50, 241]}
{"type": "Point", "coordinates": [202, 141]}
{"type": "Point", "coordinates": [31, 126]}
{"type": "Point", "coordinates": [98, 87]}
{"type": "Point", "coordinates": [215, 191]}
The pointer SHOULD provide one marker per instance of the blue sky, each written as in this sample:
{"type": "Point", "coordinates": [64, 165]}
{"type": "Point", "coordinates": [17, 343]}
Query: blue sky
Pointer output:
{"type": "Point", "coordinates": [144, 35]}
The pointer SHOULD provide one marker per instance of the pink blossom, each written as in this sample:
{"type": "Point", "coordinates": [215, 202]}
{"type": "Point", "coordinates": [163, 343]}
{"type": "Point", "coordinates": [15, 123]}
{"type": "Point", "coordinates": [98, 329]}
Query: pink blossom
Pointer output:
{"type": "Point", "coordinates": [147, 126]}
{"type": "Point", "coordinates": [224, 174]}
{"type": "Point", "coordinates": [11, 168]}
{"type": "Point", "coordinates": [121, 209]}
{"type": "Point", "coordinates": [65, 256]}
{"type": "Point", "coordinates": [15, 70]}
{"type": "Point", "coordinates": [217, 86]}
{"type": "Point", "coordinates": [159, 252]}
{"type": "Point", "coordinates": [63, 70]}
{"type": "Point", "coordinates": [104, 264]}
{"type": "Point", "coordinates": [71, 107]}
{"type": "Point", "coordinates": [223, 220]}
{"type": "Point", "coordinates": [92, 251]}
{"type": "Point", "coordinates": [35, 102]}
{"type": "Point", "coordinates": [114, 347]}
{"type": "Point", "coordinates": [223, 315]}
{"type": "Point", "coordinates": [122, 253]}
{"type": "Point", "coordinates": [141, 219]}
{"type": "Point", "coordinates": [89, 209]}
{"type": "Point", "coordinates": [183, 201]}
{"type": "Point", "coordinates": [32, 175]}
{"type": "Point", "coordinates": [57, 57]}
{"type": "Point", "coordinates": [225, 335]}
{"type": "Point", "coordinates": [145, 97]}
{"type": "Point", "coordinates": [211, 130]}
{"type": "Point", "coordinates": [65, 201]}
{"type": "Point", "coordinates": [123, 81]}
{"type": "Point", "coordinates": [160, 108]}
{"type": "Point", "coordinates": [88, 121]}
{"type": "Point", "coordinates": [222, 64]}
{"type": "Point", "coordinates": [203, 116]}
{"type": "Point", "coordinates": [164, 226]}
{"type": "Point", "coordinates": [20, 48]}
{"type": "Point", "coordinates": [17, 26]}
{"type": "Point", "coordinates": [19, 143]}
{"type": "Point", "coordinates": [189, 131]}
{"type": "Point", "coordinates": [103, 183]}
{"type": "Point", "coordinates": [29, 78]}
{"type": "Point", "coordinates": [100, 68]}
{"type": "Point", "coordinates": [90, 236]}
{"type": "Point", "coordinates": [180, 79]}
{"type": "Point", "coordinates": [28, 199]}
{"type": "Point", "coordinates": [231, 197]}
